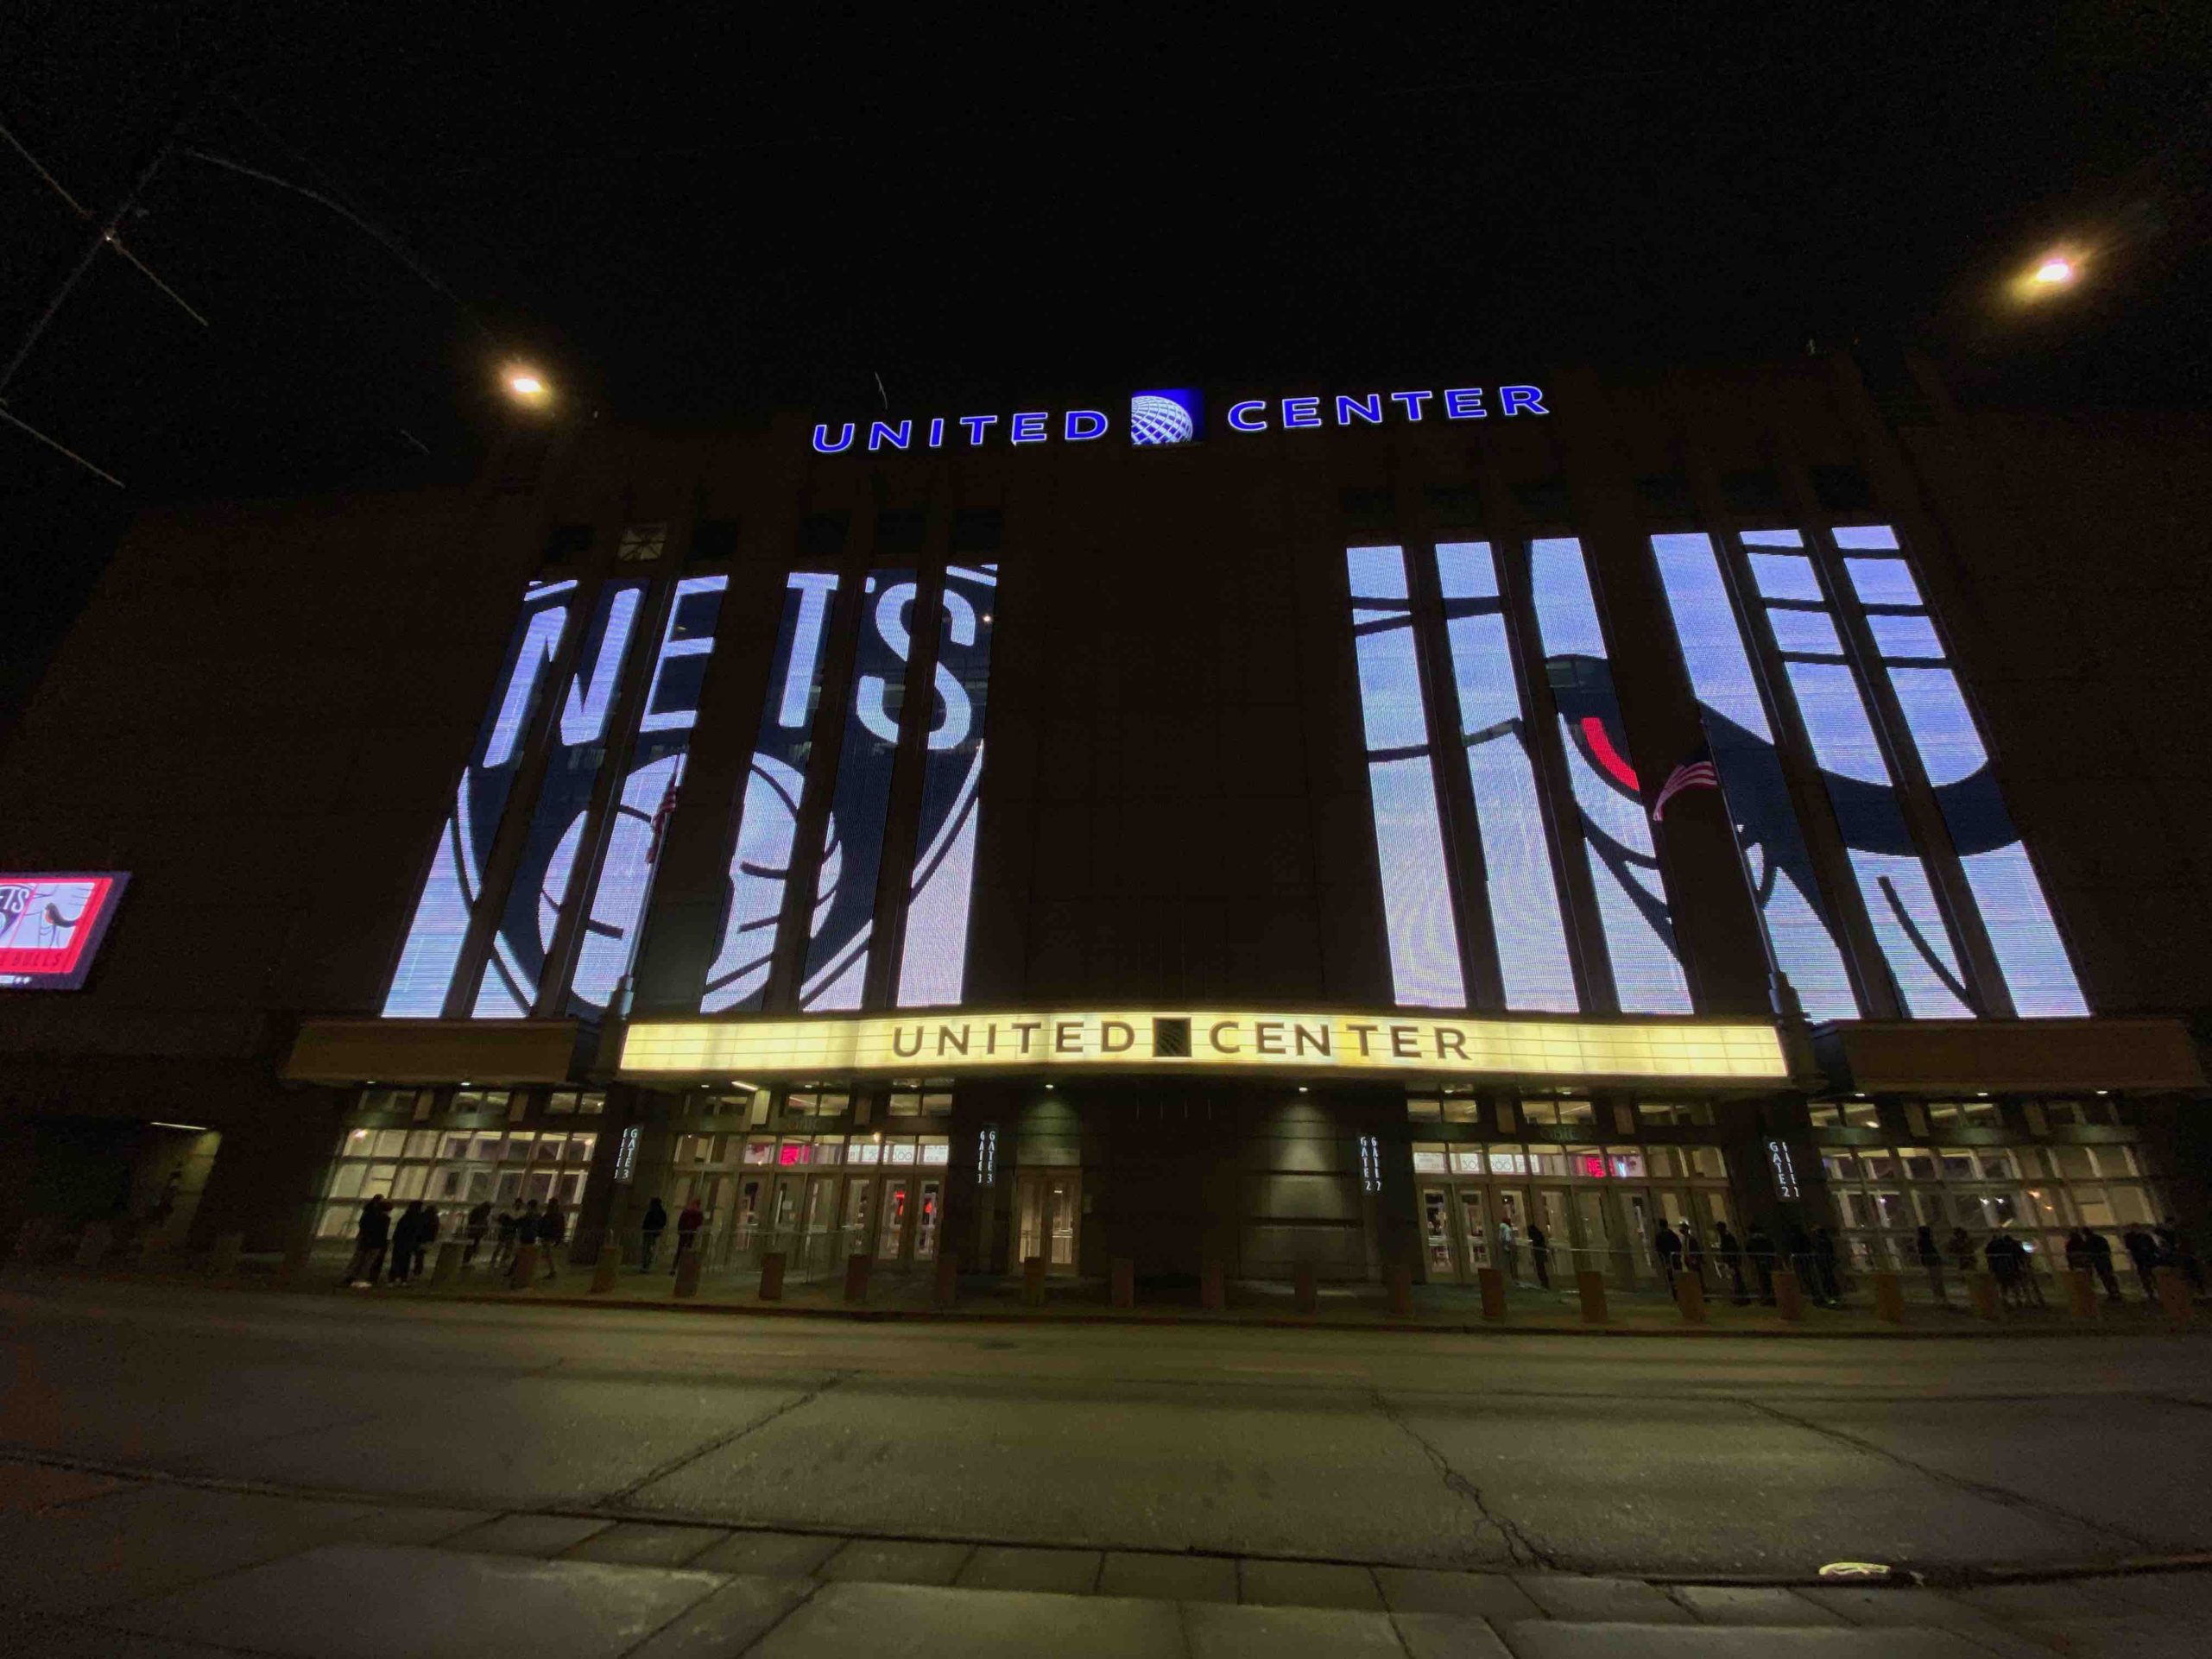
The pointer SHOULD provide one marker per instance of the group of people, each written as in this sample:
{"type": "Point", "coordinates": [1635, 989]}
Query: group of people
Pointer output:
{"type": "Point", "coordinates": [405, 1239]}
{"type": "Point", "coordinates": [687, 1232]}
{"type": "Point", "coordinates": [1736, 1264]}
{"type": "Point", "coordinates": [2007, 1259]}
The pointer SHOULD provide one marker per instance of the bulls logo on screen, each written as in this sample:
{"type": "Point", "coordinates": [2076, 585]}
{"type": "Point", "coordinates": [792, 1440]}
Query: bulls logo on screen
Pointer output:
{"type": "Point", "coordinates": [51, 926]}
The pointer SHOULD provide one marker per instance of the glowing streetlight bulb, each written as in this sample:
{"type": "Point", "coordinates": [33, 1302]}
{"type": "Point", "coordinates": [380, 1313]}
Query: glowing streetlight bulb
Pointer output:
{"type": "Point", "coordinates": [2054, 271]}
{"type": "Point", "coordinates": [525, 384]}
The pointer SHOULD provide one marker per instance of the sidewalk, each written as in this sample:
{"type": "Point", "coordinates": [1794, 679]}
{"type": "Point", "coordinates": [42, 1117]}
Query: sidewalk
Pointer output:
{"type": "Point", "coordinates": [989, 1298]}
{"type": "Point", "coordinates": [96, 1562]}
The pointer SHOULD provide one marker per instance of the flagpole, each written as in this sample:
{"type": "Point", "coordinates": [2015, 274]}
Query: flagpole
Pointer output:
{"type": "Point", "coordinates": [1780, 993]}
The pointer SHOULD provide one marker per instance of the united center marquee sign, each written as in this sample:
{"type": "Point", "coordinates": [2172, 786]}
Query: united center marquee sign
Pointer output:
{"type": "Point", "coordinates": [1177, 415]}
{"type": "Point", "coordinates": [1303, 1044]}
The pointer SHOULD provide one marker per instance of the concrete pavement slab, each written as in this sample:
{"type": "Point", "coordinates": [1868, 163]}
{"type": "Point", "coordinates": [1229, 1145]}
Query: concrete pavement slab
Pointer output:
{"type": "Point", "coordinates": [527, 1535]}
{"type": "Point", "coordinates": [1307, 1584]}
{"type": "Point", "coordinates": [409, 1523]}
{"type": "Point", "coordinates": [770, 1555]}
{"type": "Point", "coordinates": [1555, 1639]}
{"type": "Point", "coordinates": [149, 1539]}
{"type": "Point", "coordinates": [1442, 1635]}
{"type": "Point", "coordinates": [642, 1543]}
{"type": "Point", "coordinates": [2014, 1604]}
{"type": "Point", "coordinates": [1056, 1572]}
{"type": "Point", "coordinates": [1163, 1577]}
{"type": "Point", "coordinates": [1466, 1595]}
{"type": "Point", "coordinates": [2143, 1635]}
{"type": "Point", "coordinates": [1742, 1603]}
{"type": "Point", "coordinates": [76, 1641]}
{"type": "Point", "coordinates": [1912, 1604]}
{"type": "Point", "coordinates": [1219, 1632]}
{"type": "Point", "coordinates": [914, 1621]}
{"type": "Point", "coordinates": [727, 1622]}
{"type": "Point", "coordinates": [895, 1560]}
{"type": "Point", "coordinates": [26, 1488]}
{"type": "Point", "coordinates": [371, 1601]}
{"type": "Point", "coordinates": [2188, 1594]}
{"type": "Point", "coordinates": [1568, 1595]}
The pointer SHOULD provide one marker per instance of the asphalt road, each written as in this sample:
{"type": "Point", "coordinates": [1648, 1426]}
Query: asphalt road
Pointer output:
{"type": "Point", "coordinates": [1650, 1455]}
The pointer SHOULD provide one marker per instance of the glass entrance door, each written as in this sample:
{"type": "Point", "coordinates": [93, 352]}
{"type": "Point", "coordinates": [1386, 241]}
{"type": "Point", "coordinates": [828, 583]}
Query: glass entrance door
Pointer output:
{"type": "Point", "coordinates": [1474, 1228]}
{"type": "Point", "coordinates": [929, 1216]}
{"type": "Point", "coordinates": [1435, 1236]}
{"type": "Point", "coordinates": [894, 1214]}
{"type": "Point", "coordinates": [1047, 1204]}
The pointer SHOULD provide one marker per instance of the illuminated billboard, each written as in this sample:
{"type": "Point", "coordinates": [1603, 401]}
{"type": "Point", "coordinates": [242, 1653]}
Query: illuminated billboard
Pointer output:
{"type": "Point", "coordinates": [51, 926]}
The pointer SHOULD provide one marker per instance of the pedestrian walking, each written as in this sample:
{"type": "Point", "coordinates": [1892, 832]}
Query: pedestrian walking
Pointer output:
{"type": "Point", "coordinates": [1668, 1245]}
{"type": "Point", "coordinates": [2100, 1248]}
{"type": "Point", "coordinates": [553, 1230]}
{"type": "Point", "coordinates": [655, 1224]}
{"type": "Point", "coordinates": [1730, 1252]}
{"type": "Point", "coordinates": [687, 1232]}
{"type": "Point", "coordinates": [478, 1224]}
{"type": "Point", "coordinates": [1540, 1255]}
{"type": "Point", "coordinates": [1931, 1260]}
{"type": "Point", "coordinates": [372, 1234]}
{"type": "Point", "coordinates": [1824, 1267]}
{"type": "Point", "coordinates": [403, 1237]}
{"type": "Point", "coordinates": [2143, 1250]}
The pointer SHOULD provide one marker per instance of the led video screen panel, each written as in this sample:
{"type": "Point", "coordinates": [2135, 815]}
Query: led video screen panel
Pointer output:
{"type": "Point", "coordinates": [51, 925]}
{"type": "Point", "coordinates": [1423, 938]}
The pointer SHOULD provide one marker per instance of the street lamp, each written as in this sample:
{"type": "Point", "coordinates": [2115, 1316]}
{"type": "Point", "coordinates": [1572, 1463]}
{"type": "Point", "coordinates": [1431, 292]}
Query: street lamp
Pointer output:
{"type": "Point", "coordinates": [526, 385]}
{"type": "Point", "coordinates": [2055, 273]}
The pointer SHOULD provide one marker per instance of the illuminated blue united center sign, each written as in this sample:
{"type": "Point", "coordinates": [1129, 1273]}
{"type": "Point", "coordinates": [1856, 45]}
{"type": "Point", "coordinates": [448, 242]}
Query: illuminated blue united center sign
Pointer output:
{"type": "Point", "coordinates": [1175, 416]}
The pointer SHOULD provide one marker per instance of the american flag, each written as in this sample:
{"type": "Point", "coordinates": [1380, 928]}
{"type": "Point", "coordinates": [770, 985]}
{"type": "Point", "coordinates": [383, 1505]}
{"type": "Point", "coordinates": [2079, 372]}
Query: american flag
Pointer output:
{"type": "Point", "coordinates": [1696, 773]}
{"type": "Point", "coordinates": [661, 817]}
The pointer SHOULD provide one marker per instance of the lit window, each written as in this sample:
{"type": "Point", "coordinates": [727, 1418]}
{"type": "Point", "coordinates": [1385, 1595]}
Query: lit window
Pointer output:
{"type": "Point", "coordinates": [1426, 1110]}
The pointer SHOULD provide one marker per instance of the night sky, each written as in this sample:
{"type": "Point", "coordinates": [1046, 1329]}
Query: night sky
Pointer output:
{"type": "Point", "coordinates": [699, 225]}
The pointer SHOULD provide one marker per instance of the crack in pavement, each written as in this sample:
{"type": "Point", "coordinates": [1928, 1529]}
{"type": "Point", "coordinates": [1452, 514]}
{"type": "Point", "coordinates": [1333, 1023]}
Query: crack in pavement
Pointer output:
{"type": "Point", "coordinates": [1521, 1549]}
{"type": "Point", "coordinates": [661, 1471]}
{"type": "Point", "coordinates": [2004, 1495]}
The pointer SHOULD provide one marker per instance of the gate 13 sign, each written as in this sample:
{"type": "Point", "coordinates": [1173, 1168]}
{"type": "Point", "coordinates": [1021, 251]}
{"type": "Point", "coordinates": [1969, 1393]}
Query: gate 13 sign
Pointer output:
{"type": "Point", "coordinates": [1302, 1045]}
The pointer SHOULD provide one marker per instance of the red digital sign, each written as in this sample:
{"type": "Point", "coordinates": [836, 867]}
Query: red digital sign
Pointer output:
{"type": "Point", "coordinates": [51, 926]}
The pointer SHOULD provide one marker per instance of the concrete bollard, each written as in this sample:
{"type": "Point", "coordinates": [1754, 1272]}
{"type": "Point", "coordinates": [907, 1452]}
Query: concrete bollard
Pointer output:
{"type": "Point", "coordinates": [1591, 1286]}
{"type": "Point", "coordinates": [1981, 1291]}
{"type": "Point", "coordinates": [607, 1268]}
{"type": "Point", "coordinates": [298, 1255]}
{"type": "Point", "coordinates": [1889, 1297]}
{"type": "Point", "coordinates": [1303, 1285]}
{"type": "Point", "coordinates": [2081, 1295]}
{"type": "Point", "coordinates": [1789, 1294]}
{"type": "Point", "coordinates": [1689, 1297]}
{"type": "Point", "coordinates": [1398, 1281]}
{"type": "Point", "coordinates": [772, 1276]}
{"type": "Point", "coordinates": [1493, 1282]}
{"type": "Point", "coordinates": [947, 1290]}
{"type": "Point", "coordinates": [689, 1264]}
{"type": "Point", "coordinates": [525, 1267]}
{"type": "Point", "coordinates": [1124, 1282]}
{"type": "Point", "coordinates": [94, 1243]}
{"type": "Point", "coordinates": [2173, 1299]}
{"type": "Point", "coordinates": [1032, 1280]}
{"type": "Point", "coordinates": [449, 1263]}
{"type": "Point", "coordinates": [857, 1269]}
{"type": "Point", "coordinates": [1213, 1291]}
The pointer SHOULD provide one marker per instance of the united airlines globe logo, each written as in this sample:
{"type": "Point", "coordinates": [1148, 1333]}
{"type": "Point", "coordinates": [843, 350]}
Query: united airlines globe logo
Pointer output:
{"type": "Point", "coordinates": [1166, 417]}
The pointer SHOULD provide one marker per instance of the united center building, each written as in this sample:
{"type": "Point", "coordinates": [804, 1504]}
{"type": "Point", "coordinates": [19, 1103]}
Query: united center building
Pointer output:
{"type": "Point", "coordinates": [1251, 827]}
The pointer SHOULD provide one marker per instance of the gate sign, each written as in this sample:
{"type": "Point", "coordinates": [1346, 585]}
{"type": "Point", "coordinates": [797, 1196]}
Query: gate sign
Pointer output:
{"type": "Point", "coordinates": [51, 926]}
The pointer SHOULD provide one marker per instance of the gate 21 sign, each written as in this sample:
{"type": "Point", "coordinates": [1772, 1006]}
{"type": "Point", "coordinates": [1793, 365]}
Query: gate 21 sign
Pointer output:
{"type": "Point", "coordinates": [1176, 415]}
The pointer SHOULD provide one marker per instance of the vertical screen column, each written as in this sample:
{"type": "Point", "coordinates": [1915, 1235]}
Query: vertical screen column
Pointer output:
{"type": "Point", "coordinates": [1402, 785]}
{"type": "Point", "coordinates": [431, 952]}
{"type": "Point", "coordinates": [1901, 899]}
{"type": "Point", "coordinates": [2022, 933]}
{"type": "Point", "coordinates": [774, 794]}
{"type": "Point", "coordinates": [1632, 900]}
{"type": "Point", "coordinates": [1790, 904]}
{"type": "Point", "coordinates": [1532, 934]}
{"type": "Point", "coordinates": [509, 989]}
{"type": "Point", "coordinates": [933, 960]}
{"type": "Point", "coordinates": [608, 943]}
{"type": "Point", "coordinates": [852, 841]}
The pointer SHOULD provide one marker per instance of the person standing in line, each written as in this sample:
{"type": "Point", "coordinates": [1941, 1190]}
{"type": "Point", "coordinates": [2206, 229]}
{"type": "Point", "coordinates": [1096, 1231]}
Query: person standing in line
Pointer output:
{"type": "Point", "coordinates": [2077, 1251]}
{"type": "Point", "coordinates": [371, 1237]}
{"type": "Point", "coordinates": [2100, 1248]}
{"type": "Point", "coordinates": [425, 1235]}
{"type": "Point", "coordinates": [504, 1227]}
{"type": "Point", "coordinates": [1961, 1245]}
{"type": "Point", "coordinates": [2004, 1268]}
{"type": "Point", "coordinates": [553, 1230]}
{"type": "Point", "coordinates": [2030, 1276]}
{"type": "Point", "coordinates": [1761, 1245]}
{"type": "Point", "coordinates": [526, 1233]}
{"type": "Point", "coordinates": [404, 1233]}
{"type": "Point", "coordinates": [1693, 1253]}
{"type": "Point", "coordinates": [1540, 1255]}
{"type": "Point", "coordinates": [1667, 1244]}
{"type": "Point", "coordinates": [479, 1223]}
{"type": "Point", "coordinates": [1798, 1243]}
{"type": "Point", "coordinates": [655, 1224]}
{"type": "Point", "coordinates": [1824, 1267]}
{"type": "Point", "coordinates": [1730, 1252]}
{"type": "Point", "coordinates": [2143, 1250]}
{"type": "Point", "coordinates": [1507, 1257]}
{"type": "Point", "coordinates": [1931, 1260]}
{"type": "Point", "coordinates": [687, 1232]}
{"type": "Point", "coordinates": [2175, 1251]}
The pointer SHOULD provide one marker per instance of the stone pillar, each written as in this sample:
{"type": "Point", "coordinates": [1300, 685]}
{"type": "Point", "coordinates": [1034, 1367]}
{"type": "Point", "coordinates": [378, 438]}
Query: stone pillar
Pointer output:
{"type": "Point", "coordinates": [1591, 1285]}
{"type": "Point", "coordinates": [1124, 1273]}
{"type": "Point", "coordinates": [1789, 1294]}
{"type": "Point", "coordinates": [1689, 1297]}
{"type": "Point", "coordinates": [1493, 1282]}
{"type": "Point", "coordinates": [772, 1276]}
{"type": "Point", "coordinates": [1889, 1298]}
